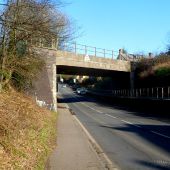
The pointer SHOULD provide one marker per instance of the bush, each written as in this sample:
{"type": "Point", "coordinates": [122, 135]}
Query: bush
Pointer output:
{"type": "Point", "coordinates": [157, 66]}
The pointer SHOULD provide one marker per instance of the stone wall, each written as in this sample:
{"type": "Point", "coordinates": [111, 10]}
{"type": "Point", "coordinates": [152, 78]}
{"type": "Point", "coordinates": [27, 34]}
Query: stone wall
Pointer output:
{"type": "Point", "coordinates": [45, 86]}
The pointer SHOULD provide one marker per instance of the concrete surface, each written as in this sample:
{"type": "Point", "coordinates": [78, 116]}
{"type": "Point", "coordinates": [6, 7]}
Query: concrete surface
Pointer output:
{"type": "Point", "coordinates": [74, 151]}
{"type": "Point", "coordinates": [78, 60]}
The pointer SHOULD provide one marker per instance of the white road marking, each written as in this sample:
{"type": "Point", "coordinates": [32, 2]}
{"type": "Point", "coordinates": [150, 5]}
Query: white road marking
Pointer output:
{"type": "Point", "coordinates": [111, 116]}
{"type": "Point", "coordinates": [130, 123]}
{"type": "Point", "coordinates": [109, 164]}
{"type": "Point", "coordinates": [165, 136]}
{"type": "Point", "coordinates": [92, 108]}
{"type": "Point", "coordinates": [157, 133]}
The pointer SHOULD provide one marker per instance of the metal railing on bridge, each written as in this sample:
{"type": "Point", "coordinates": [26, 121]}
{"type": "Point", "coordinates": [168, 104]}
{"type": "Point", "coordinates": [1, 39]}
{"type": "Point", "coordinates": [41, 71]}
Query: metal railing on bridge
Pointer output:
{"type": "Point", "coordinates": [153, 93]}
{"type": "Point", "coordinates": [88, 50]}
{"type": "Point", "coordinates": [77, 48]}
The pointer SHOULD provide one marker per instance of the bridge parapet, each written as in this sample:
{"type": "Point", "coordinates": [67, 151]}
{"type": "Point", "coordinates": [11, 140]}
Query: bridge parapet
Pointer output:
{"type": "Point", "coordinates": [90, 50]}
{"type": "Point", "coordinates": [66, 58]}
{"type": "Point", "coordinates": [89, 61]}
{"type": "Point", "coordinates": [78, 49]}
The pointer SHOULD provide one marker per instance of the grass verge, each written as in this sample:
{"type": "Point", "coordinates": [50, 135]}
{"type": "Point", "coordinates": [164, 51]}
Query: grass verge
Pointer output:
{"type": "Point", "coordinates": [27, 132]}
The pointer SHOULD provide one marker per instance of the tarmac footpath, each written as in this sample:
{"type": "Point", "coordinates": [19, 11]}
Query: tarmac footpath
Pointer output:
{"type": "Point", "coordinates": [74, 150]}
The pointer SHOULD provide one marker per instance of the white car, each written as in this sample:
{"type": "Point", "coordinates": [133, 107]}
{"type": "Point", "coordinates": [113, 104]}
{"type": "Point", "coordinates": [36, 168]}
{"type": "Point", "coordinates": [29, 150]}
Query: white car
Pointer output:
{"type": "Point", "coordinates": [64, 85]}
{"type": "Point", "coordinates": [81, 90]}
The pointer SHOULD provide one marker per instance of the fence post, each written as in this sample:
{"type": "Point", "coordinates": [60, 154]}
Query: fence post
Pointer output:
{"type": "Point", "coordinates": [157, 95]}
{"type": "Point", "coordinates": [168, 91]}
{"type": "Point", "coordinates": [162, 93]}
{"type": "Point", "coordinates": [104, 52]}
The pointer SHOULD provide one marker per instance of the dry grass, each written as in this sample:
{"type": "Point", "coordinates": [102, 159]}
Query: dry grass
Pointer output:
{"type": "Point", "coordinates": [159, 66]}
{"type": "Point", "coordinates": [162, 65]}
{"type": "Point", "coordinates": [26, 132]}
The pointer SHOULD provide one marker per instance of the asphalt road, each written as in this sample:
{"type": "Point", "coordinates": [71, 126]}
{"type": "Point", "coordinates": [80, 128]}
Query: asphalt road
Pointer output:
{"type": "Point", "coordinates": [132, 140]}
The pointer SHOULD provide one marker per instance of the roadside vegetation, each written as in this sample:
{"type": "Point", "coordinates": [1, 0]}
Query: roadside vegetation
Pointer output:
{"type": "Point", "coordinates": [27, 132]}
{"type": "Point", "coordinates": [158, 66]}
{"type": "Point", "coordinates": [98, 83]}
{"type": "Point", "coordinates": [154, 71]}
{"type": "Point", "coordinates": [25, 24]}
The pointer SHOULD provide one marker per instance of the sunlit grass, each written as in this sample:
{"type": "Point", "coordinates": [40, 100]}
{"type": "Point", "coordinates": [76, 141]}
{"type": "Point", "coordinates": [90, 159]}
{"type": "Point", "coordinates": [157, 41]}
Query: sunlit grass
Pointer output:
{"type": "Point", "coordinates": [27, 132]}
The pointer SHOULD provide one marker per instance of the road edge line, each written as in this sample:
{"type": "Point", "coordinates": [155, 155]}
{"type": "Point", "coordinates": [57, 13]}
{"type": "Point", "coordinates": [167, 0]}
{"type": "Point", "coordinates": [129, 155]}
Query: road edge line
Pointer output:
{"type": "Point", "coordinates": [107, 162]}
{"type": "Point", "coordinates": [97, 148]}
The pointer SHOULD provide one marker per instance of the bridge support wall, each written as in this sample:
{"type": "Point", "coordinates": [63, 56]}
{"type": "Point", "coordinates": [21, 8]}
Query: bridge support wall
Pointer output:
{"type": "Point", "coordinates": [45, 86]}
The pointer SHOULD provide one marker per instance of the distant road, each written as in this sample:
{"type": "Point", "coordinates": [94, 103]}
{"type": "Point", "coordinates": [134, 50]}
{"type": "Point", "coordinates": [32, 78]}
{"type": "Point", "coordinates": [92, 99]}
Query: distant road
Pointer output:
{"type": "Point", "coordinates": [132, 140]}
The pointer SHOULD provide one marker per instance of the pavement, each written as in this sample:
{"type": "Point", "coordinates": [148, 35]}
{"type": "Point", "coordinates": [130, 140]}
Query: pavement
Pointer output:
{"type": "Point", "coordinates": [74, 149]}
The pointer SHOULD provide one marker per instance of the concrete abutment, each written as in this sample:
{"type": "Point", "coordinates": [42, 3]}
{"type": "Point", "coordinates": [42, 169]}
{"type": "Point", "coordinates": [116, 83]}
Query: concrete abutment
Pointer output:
{"type": "Point", "coordinates": [45, 90]}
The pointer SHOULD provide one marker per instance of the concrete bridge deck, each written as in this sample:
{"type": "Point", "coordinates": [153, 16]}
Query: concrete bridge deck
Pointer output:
{"type": "Point", "coordinates": [65, 58]}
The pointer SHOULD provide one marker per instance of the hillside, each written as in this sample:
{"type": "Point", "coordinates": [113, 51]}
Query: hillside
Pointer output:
{"type": "Point", "coordinates": [27, 132]}
{"type": "Point", "coordinates": [153, 72]}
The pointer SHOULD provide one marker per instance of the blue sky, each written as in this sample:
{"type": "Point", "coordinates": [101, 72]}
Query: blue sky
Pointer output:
{"type": "Point", "coordinates": [139, 26]}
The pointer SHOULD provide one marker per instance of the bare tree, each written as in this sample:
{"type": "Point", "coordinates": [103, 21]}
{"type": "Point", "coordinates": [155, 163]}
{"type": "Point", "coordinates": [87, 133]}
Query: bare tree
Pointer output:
{"type": "Point", "coordinates": [25, 23]}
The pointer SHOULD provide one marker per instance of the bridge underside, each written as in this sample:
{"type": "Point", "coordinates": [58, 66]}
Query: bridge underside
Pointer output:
{"type": "Point", "coordinates": [120, 79]}
{"type": "Point", "coordinates": [70, 70]}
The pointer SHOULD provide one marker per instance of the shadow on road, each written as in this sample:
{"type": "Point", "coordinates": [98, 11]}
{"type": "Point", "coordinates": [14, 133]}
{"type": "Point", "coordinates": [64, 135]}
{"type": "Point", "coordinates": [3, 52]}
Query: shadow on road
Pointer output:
{"type": "Point", "coordinates": [148, 132]}
{"type": "Point", "coordinates": [145, 131]}
{"type": "Point", "coordinates": [70, 99]}
{"type": "Point", "coordinates": [155, 164]}
{"type": "Point", "coordinates": [144, 108]}
{"type": "Point", "coordinates": [140, 107]}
